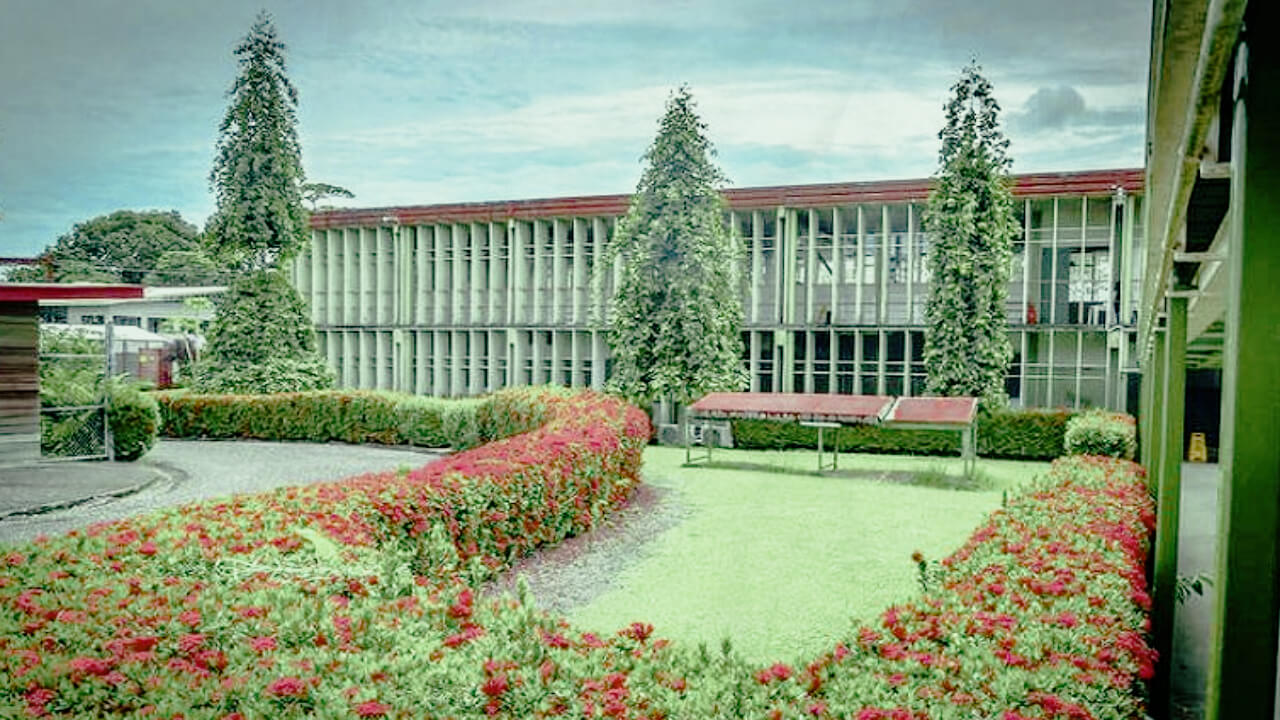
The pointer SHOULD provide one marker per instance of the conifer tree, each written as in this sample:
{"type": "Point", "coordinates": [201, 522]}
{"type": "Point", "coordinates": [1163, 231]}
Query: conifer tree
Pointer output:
{"type": "Point", "coordinates": [261, 339]}
{"type": "Point", "coordinates": [676, 314]}
{"type": "Point", "coordinates": [257, 169]}
{"type": "Point", "coordinates": [971, 225]}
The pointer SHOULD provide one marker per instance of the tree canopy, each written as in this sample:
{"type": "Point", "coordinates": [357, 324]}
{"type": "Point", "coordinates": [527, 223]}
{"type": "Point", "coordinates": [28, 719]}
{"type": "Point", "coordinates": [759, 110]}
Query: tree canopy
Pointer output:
{"type": "Point", "coordinates": [257, 171]}
{"type": "Point", "coordinates": [315, 192]}
{"type": "Point", "coordinates": [125, 246]}
{"type": "Point", "coordinates": [675, 317]}
{"type": "Point", "coordinates": [971, 225]}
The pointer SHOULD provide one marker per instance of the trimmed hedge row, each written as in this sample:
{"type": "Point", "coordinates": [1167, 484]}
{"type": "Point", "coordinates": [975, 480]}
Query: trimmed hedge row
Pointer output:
{"type": "Point", "coordinates": [1100, 432]}
{"type": "Point", "coordinates": [1012, 434]}
{"type": "Point", "coordinates": [354, 416]}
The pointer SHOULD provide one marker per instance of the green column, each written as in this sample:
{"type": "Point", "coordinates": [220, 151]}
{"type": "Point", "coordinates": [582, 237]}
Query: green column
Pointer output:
{"type": "Point", "coordinates": [1169, 483]}
{"type": "Point", "coordinates": [1242, 670]}
{"type": "Point", "coordinates": [1154, 443]}
{"type": "Point", "coordinates": [1144, 414]}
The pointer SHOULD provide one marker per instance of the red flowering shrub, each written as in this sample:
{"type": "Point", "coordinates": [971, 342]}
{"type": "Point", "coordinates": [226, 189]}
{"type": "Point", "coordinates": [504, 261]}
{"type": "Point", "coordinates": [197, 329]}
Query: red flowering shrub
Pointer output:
{"type": "Point", "coordinates": [356, 599]}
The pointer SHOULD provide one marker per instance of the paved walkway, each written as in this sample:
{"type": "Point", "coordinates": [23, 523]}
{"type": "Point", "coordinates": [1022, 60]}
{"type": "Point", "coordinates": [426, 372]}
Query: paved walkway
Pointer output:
{"type": "Point", "coordinates": [1193, 619]}
{"type": "Point", "coordinates": [52, 499]}
{"type": "Point", "coordinates": [45, 487]}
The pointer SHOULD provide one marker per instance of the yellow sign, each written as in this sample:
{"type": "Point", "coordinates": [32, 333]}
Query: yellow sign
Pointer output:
{"type": "Point", "coordinates": [1197, 451]}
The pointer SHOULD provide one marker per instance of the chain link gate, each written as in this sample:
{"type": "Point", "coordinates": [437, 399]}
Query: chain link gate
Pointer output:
{"type": "Point", "coordinates": [73, 402]}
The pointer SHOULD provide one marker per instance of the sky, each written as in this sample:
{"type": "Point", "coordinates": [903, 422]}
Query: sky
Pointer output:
{"type": "Point", "coordinates": [115, 104]}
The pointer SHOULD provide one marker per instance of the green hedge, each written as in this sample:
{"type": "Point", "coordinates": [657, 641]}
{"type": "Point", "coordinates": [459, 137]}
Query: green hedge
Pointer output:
{"type": "Point", "coordinates": [1100, 432]}
{"type": "Point", "coordinates": [1014, 434]}
{"type": "Point", "coordinates": [1034, 434]}
{"type": "Point", "coordinates": [318, 416]}
{"type": "Point", "coordinates": [355, 416]}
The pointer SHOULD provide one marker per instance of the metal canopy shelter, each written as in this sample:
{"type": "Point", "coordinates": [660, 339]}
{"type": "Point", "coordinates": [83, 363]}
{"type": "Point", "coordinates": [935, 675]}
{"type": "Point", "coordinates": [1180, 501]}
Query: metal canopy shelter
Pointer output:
{"type": "Point", "coordinates": [939, 413]}
{"type": "Point", "coordinates": [824, 412]}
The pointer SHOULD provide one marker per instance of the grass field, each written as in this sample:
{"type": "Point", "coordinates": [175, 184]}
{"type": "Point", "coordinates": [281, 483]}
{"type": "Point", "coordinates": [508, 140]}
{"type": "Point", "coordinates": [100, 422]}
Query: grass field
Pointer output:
{"type": "Point", "coordinates": [780, 558]}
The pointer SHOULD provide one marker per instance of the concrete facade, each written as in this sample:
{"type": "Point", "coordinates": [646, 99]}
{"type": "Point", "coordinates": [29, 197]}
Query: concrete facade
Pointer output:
{"type": "Point", "coordinates": [453, 300]}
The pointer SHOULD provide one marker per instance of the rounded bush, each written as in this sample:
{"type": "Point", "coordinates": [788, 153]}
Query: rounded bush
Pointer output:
{"type": "Point", "coordinates": [1100, 432]}
{"type": "Point", "coordinates": [134, 418]}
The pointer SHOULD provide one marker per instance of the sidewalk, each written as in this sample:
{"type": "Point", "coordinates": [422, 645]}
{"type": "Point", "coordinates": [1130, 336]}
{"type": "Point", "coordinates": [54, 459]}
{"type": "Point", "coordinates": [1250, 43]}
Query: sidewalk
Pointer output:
{"type": "Point", "coordinates": [40, 488]}
{"type": "Point", "coordinates": [1193, 619]}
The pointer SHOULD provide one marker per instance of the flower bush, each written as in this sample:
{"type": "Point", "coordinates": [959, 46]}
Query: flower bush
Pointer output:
{"type": "Point", "coordinates": [357, 599]}
{"type": "Point", "coordinates": [1101, 432]}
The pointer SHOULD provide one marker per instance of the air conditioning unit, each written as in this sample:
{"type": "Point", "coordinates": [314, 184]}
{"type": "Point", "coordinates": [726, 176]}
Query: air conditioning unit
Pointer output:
{"type": "Point", "coordinates": [719, 434]}
{"type": "Point", "coordinates": [670, 434]}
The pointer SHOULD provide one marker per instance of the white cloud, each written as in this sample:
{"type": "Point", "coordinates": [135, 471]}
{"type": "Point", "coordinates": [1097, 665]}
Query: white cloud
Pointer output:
{"type": "Point", "coordinates": [818, 112]}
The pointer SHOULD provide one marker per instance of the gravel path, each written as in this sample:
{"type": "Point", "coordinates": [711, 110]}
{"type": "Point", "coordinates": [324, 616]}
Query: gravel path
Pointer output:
{"type": "Point", "coordinates": [200, 469]}
{"type": "Point", "coordinates": [581, 568]}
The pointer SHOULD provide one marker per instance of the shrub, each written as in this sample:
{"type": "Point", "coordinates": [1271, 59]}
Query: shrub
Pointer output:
{"type": "Point", "coordinates": [1029, 434]}
{"type": "Point", "coordinates": [460, 423]}
{"type": "Point", "coordinates": [1003, 433]}
{"type": "Point", "coordinates": [1101, 432]}
{"type": "Point", "coordinates": [134, 418]}
{"type": "Point", "coordinates": [775, 435]}
{"type": "Point", "coordinates": [419, 420]}
{"type": "Point", "coordinates": [357, 416]}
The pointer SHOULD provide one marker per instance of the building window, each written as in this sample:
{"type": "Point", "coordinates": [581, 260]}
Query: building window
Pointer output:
{"type": "Point", "coordinates": [92, 320]}
{"type": "Point", "coordinates": [132, 320]}
{"type": "Point", "coordinates": [53, 313]}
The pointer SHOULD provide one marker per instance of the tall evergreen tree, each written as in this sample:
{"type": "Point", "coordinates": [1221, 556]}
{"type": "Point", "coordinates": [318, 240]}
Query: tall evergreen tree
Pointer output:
{"type": "Point", "coordinates": [675, 317]}
{"type": "Point", "coordinates": [971, 225]}
{"type": "Point", "coordinates": [257, 169]}
{"type": "Point", "coordinates": [261, 339]}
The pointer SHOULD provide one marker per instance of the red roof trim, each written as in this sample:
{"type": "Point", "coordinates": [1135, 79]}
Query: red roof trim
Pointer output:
{"type": "Point", "coordinates": [1094, 182]}
{"type": "Point", "coordinates": [34, 292]}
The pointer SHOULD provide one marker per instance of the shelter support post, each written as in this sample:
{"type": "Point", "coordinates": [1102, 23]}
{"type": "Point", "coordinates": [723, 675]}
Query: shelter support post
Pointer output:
{"type": "Point", "coordinates": [1242, 661]}
{"type": "Point", "coordinates": [835, 447]}
{"type": "Point", "coordinates": [1169, 484]}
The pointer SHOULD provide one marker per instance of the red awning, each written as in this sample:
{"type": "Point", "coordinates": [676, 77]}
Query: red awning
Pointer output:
{"type": "Point", "coordinates": [792, 406]}
{"type": "Point", "coordinates": [34, 292]}
{"type": "Point", "coordinates": [934, 410]}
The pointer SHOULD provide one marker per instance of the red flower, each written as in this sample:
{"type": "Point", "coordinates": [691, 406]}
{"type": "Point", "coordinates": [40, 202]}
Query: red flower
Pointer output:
{"type": "Point", "coordinates": [287, 687]}
{"type": "Point", "coordinates": [495, 686]}
{"type": "Point", "coordinates": [372, 708]}
{"type": "Point", "coordinates": [262, 644]}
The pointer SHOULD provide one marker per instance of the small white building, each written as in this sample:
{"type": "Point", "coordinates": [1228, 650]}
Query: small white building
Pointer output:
{"type": "Point", "coordinates": [158, 305]}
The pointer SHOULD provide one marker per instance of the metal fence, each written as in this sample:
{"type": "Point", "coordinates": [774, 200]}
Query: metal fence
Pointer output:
{"type": "Point", "coordinates": [73, 404]}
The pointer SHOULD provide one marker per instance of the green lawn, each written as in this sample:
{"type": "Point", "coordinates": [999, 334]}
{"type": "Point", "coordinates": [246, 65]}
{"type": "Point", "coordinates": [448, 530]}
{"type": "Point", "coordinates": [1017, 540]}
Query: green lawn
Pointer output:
{"type": "Point", "coordinates": [781, 560]}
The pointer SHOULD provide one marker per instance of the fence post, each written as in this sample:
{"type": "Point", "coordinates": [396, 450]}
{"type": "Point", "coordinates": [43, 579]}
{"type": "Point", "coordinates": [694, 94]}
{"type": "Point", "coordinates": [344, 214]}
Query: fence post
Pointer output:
{"type": "Point", "coordinates": [107, 342]}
